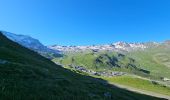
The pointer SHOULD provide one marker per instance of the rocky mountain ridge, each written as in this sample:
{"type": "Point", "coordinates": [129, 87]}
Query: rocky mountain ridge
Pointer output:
{"type": "Point", "coordinates": [37, 46]}
{"type": "Point", "coordinates": [118, 46]}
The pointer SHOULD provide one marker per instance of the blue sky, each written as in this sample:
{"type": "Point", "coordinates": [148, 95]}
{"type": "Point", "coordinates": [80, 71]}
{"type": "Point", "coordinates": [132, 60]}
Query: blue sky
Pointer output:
{"type": "Point", "coordinates": [86, 22]}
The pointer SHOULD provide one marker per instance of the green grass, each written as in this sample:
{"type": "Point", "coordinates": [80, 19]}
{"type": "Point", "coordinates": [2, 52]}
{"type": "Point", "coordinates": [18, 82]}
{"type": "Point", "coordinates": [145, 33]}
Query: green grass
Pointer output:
{"type": "Point", "coordinates": [139, 84]}
{"type": "Point", "coordinates": [155, 60]}
{"type": "Point", "coordinates": [101, 61]}
{"type": "Point", "coordinates": [29, 76]}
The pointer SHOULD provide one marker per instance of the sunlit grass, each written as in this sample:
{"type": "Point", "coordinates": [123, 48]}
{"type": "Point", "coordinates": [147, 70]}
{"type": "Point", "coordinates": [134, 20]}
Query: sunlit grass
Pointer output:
{"type": "Point", "coordinates": [139, 84]}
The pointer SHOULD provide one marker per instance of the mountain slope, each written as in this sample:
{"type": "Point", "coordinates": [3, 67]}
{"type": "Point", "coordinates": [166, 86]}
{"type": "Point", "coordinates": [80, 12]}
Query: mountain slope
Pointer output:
{"type": "Point", "coordinates": [102, 61]}
{"type": "Point", "coordinates": [32, 44]}
{"type": "Point", "coordinates": [156, 59]}
{"type": "Point", "coordinates": [25, 75]}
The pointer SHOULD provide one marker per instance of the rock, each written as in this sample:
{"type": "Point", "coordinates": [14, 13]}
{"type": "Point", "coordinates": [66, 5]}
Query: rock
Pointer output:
{"type": "Point", "coordinates": [165, 79]}
{"type": "Point", "coordinates": [108, 94]}
{"type": "Point", "coordinates": [92, 95]}
{"type": "Point", "coordinates": [3, 61]}
{"type": "Point", "coordinates": [154, 82]}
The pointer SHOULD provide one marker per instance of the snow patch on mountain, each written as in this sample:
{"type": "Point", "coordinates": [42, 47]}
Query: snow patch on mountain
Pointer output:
{"type": "Point", "coordinates": [118, 46]}
{"type": "Point", "coordinates": [29, 42]}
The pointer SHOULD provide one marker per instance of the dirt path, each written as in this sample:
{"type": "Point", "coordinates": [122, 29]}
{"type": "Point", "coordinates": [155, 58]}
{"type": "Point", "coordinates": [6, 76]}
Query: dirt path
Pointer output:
{"type": "Point", "coordinates": [142, 91]}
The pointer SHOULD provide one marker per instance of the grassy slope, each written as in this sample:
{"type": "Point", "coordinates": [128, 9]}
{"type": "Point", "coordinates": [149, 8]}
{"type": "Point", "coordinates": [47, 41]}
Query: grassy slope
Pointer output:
{"type": "Point", "coordinates": [156, 60]}
{"type": "Point", "coordinates": [139, 84]}
{"type": "Point", "coordinates": [101, 61]}
{"type": "Point", "coordinates": [29, 76]}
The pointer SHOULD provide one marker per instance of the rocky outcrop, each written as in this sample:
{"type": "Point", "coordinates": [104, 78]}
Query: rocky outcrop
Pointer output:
{"type": "Point", "coordinates": [3, 61]}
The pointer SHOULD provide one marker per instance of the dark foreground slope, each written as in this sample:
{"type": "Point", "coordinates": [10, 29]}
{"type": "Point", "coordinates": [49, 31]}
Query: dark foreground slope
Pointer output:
{"type": "Point", "coordinates": [25, 75]}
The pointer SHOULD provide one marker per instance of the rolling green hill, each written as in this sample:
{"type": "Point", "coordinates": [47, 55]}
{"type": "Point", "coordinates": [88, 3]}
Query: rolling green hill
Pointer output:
{"type": "Point", "coordinates": [102, 61]}
{"type": "Point", "coordinates": [25, 75]}
{"type": "Point", "coordinates": [156, 60]}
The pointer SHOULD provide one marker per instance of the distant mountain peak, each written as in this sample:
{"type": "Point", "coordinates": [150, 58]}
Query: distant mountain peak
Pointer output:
{"type": "Point", "coordinates": [118, 46]}
{"type": "Point", "coordinates": [29, 42]}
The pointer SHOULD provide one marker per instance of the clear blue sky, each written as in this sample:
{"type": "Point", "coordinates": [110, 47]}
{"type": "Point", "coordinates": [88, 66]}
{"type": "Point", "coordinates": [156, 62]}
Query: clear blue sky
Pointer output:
{"type": "Point", "coordinates": [85, 22]}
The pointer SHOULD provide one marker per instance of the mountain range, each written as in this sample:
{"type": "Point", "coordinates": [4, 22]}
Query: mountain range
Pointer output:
{"type": "Point", "coordinates": [118, 46]}
{"type": "Point", "coordinates": [109, 47]}
{"type": "Point", "coordinates": [37, 46]}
